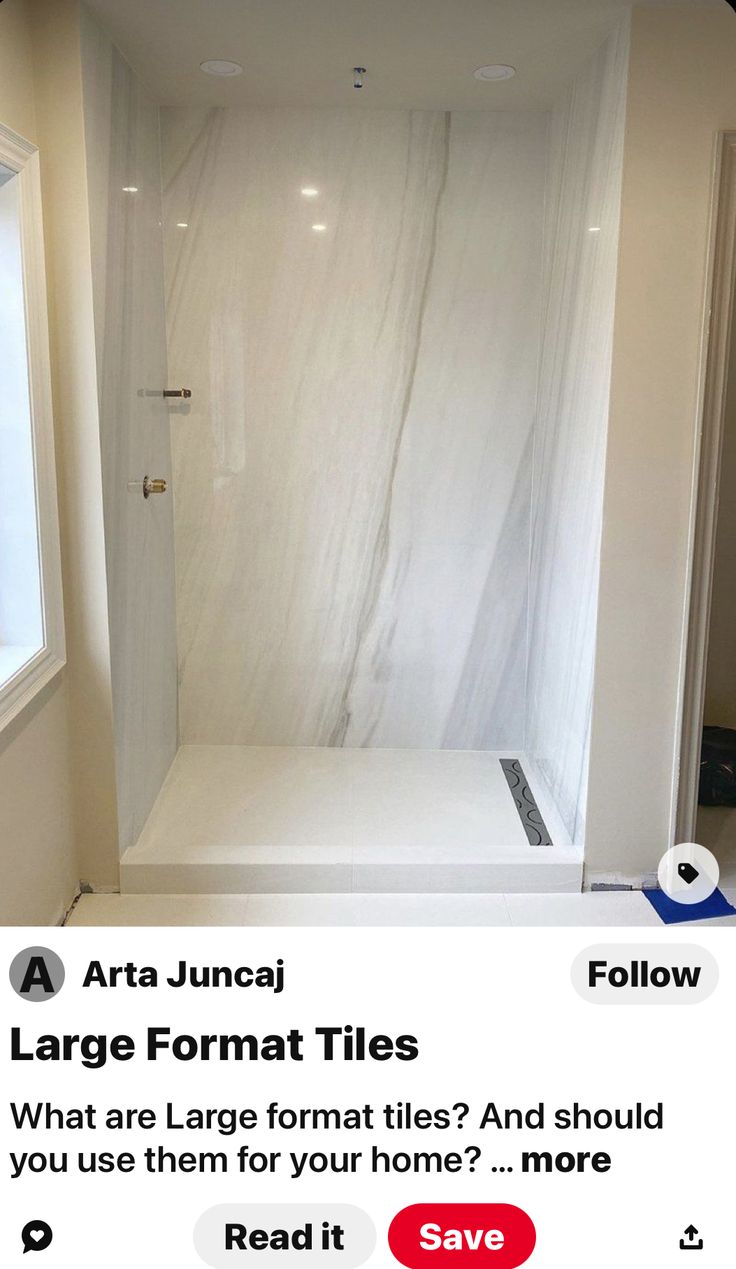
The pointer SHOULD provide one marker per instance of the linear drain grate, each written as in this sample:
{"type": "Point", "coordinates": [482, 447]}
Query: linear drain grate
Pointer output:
{"type": "Point", "coordinates": [529, 813]}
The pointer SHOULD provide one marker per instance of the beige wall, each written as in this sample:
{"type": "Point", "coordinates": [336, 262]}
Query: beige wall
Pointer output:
{"type": "Point", "coordinates": [37, 857]}
{"type": "Point", "coordinates": [17, 101]}
{"type": "Point", "coordinates": [59, 107]}
{"type": "Point", "coordinates": [57, 819]}
{"type": "Point", "coordinates": [682, 92]}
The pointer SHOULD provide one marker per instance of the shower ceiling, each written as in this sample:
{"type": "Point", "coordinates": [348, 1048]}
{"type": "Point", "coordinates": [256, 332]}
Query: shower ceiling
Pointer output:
{"type": "Point", "coordinates": [420, 54]}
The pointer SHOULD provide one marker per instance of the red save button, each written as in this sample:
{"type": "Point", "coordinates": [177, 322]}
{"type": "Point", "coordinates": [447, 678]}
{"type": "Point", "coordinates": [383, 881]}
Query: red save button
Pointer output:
{"type": "Point", "coordinates": [447, 1235]}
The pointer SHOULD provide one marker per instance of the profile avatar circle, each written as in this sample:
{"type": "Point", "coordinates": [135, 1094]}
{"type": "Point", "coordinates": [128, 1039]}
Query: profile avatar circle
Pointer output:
{"type": "Point", "coordinates": [37, 974]}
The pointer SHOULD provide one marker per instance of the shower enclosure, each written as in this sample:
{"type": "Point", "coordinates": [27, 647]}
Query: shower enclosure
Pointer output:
{"type": "Point", "coordinates": [353, 640]}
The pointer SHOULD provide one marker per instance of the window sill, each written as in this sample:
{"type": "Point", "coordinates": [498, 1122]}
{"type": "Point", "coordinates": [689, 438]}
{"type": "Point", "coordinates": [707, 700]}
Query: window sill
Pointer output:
{"type": "Point", "coordinates": [23, 672]}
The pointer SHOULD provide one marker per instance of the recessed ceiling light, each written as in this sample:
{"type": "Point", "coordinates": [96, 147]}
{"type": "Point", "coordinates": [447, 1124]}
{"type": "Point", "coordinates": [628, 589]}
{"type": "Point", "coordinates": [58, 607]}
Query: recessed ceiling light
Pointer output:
{"type": "Point", "coordinates": [495, 72]}
{"type": "Point", "coordinates": [182, 224]}
{"type": "Point", "coordinates": [219, 67]}
{"type": "Point", "coordinates": [319, 229]}
{"type": "Point", "coordinates": [594, 229]}
{"type": "Point", "coordinates": [130, 189]}
{"type": "Point", "coordinates": [309, 191]}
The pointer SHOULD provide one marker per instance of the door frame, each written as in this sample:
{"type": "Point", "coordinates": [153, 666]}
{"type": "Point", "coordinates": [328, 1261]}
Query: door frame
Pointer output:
{"type": "Point", "coordinates": [716, 349]}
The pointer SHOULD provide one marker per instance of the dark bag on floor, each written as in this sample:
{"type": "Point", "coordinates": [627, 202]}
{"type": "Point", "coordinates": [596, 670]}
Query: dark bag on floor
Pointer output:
{"type": "Point", "coordinates": [718, 767]}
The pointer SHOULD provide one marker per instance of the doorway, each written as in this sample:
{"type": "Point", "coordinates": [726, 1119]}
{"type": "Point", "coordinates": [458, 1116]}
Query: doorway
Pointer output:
{"type": "Point", "coordinates": [709, 698]}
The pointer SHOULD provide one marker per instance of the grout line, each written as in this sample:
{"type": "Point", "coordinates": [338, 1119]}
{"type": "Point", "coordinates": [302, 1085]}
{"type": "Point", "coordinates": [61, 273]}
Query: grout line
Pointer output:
{"type": "Point", "coordinates": [65, 919]}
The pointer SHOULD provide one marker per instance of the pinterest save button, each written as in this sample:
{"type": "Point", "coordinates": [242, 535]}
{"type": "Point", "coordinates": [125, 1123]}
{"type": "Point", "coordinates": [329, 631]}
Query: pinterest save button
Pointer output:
{"type": "Point", "coordinates": [456, 1234]}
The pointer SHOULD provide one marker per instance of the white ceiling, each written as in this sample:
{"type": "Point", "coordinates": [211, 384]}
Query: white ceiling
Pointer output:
{"type": "Point", "coordinates": [420, 54]}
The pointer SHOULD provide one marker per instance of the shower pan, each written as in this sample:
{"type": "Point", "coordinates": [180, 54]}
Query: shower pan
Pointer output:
{"type": "Point", "coordinates": [243, 819]}
{"type": "Point", "coordinates": [353, 638]}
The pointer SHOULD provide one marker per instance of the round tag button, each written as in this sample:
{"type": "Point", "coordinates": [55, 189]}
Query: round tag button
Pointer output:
{"type": "Point", "coordinates": [688, 873]}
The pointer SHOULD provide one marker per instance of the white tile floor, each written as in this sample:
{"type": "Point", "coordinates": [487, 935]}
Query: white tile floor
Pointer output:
{"type": "Point", "coordinates": [598, 909]}
{"type": "Point", "coordinates": [242, 820]}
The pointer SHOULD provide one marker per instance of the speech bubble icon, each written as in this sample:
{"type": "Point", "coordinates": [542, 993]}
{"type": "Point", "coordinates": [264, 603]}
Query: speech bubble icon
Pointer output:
{"type": "Point", "coordinates": [36, 1236]}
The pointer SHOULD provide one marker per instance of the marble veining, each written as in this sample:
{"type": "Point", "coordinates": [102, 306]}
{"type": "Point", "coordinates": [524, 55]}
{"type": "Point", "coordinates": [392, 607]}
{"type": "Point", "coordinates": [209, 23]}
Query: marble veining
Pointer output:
{"type": "Point", "coordinates": [582, 227]}
{"type": "Point", "coordinates": [353, 476]}
{"type": "Point", "coordinates": [381, 549]}
{"type": "Point", "coordinates": [124, 184]}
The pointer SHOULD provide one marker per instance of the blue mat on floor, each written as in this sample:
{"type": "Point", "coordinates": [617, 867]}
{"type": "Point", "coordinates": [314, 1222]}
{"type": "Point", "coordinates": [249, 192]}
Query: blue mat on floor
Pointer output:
{"type": "Point", "coordinates": [672, 913]}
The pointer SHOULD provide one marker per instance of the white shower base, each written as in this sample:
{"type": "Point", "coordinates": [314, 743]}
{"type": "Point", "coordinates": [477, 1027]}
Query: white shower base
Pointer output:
{"type": "Point", "coordinates": [238, 820]}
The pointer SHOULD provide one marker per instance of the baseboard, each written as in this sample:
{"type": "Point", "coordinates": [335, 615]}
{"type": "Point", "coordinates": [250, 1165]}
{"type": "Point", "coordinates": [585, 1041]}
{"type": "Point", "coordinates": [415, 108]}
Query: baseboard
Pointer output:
{"type": "Point", "coordinates": [619, 881]}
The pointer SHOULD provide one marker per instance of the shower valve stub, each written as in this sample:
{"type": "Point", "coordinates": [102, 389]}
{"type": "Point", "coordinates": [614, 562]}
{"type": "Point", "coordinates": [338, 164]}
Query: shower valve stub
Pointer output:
{"type": "Point", "coordinates": [180, 393]}
{"type": "Point", "coordinates": [153, 485]}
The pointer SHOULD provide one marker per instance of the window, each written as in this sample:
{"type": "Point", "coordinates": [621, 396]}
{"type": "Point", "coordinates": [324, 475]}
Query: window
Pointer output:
{"type": "Point", "coordinates": [31, 614]}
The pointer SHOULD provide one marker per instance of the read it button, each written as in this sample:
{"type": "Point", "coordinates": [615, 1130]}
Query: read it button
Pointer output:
{"type": "Point", "coordinates": [296, 1234]}
{"type": "Point", "coordinates": [457, 1234]}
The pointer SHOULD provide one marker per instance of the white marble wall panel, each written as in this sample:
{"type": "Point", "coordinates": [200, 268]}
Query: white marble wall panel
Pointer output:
{"type": "Point", "coordinates": [582, 225]}
{"type": "Point", "coordinates": [353, 477]}
{"type": "Point", "coordinates": [124, 178]}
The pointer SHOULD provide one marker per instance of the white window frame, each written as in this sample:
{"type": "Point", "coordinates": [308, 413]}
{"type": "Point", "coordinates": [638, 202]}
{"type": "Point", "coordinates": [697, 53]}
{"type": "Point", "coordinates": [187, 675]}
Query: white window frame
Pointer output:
{"type": "Point", "coordinates": [19, 689]}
